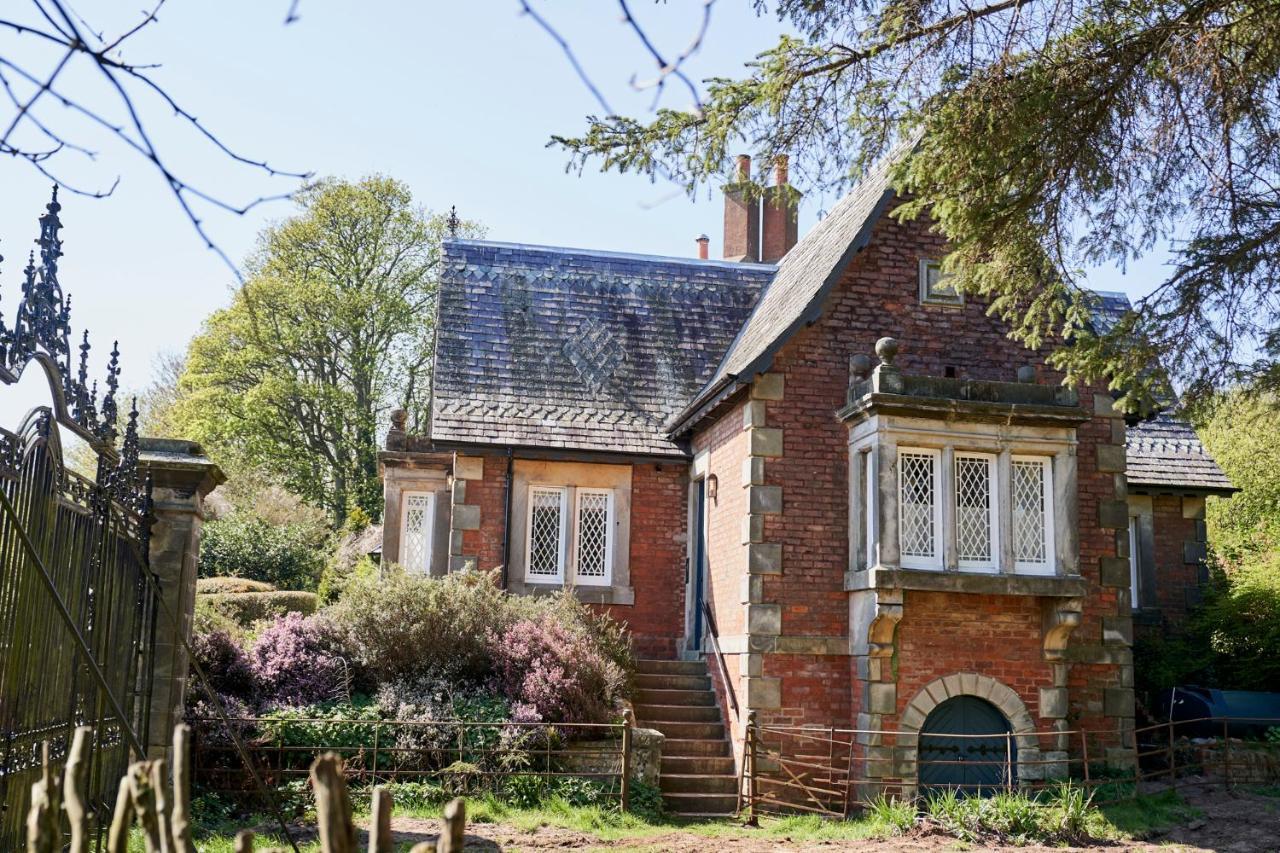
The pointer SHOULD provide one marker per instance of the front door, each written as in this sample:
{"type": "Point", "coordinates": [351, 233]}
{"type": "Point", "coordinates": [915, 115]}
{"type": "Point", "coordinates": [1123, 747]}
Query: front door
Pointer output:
{"type": "Point", "coordinates": [699, 567]}
{"type": "Point", "coordinates": [964, 744]}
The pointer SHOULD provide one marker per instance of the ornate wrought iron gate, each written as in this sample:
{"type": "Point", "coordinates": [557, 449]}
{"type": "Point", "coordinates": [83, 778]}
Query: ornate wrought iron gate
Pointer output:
{"type": "Point", "coordinates": [77, 599]}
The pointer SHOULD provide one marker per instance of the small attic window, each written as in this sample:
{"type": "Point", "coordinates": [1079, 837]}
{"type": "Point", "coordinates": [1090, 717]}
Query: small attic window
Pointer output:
{"type": "Point", "coordinates": [935, 288]}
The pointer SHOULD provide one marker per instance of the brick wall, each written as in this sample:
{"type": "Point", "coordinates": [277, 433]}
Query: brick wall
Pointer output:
{"type": "Point", "coordinates": [878, 296]}
{"type": "Point", "coordinates": [657, 561]}
{"type": "Point", "coordinates": [659, 506]}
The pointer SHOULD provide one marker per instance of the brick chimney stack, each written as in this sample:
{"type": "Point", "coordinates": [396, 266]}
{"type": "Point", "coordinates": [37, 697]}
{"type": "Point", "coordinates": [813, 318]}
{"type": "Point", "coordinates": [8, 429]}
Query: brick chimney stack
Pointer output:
{"type": "Point", "coordinates": [780, 216]}
{"type": "Point", "coordinates": [704, 245]}
{"type": "Point", "coordinates": [741, 217]}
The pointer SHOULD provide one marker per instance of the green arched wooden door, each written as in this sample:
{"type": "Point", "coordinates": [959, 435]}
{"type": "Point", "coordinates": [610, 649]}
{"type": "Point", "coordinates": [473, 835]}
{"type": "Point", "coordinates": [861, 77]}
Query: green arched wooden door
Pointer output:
{"type": "Point", "coordinates": [973, 765]}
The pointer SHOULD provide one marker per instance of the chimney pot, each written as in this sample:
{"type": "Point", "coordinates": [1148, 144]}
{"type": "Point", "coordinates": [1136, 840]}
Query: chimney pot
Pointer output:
{"type": "Point", "coordinates": [744, 168]}
{"type": "Point", "coordinates": [704, 244]}
{"type": "Point", "coordinates": [780, 170]}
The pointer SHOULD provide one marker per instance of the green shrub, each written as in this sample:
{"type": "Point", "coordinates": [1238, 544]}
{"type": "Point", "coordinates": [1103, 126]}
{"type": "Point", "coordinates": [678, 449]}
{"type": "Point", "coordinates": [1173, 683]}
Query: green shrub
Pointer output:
{"type": "Point", "coordinates": [208, 618]}
{"type": "Point", "coordinates": [405, 626]}
{"type": "Point", "coordinates": [646, 801]}
{"type": "Point", "coordinates": [343, 726]}
{"type": "Point", "coordinates": [894, 815]}
{"type": "Point", "coordinates": [288, 556]}
{"type": "Point", "coordinates": [246, 608]}
{"type": "Point", "coordinates": [218, 585]}
{"type": "Point", "coordinates": [338, 576]}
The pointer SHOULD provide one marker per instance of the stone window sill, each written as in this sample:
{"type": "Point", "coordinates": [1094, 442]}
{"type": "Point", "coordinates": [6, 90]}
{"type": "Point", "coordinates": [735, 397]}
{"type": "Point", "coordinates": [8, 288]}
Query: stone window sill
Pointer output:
{"type": "Point", "coordinates": [1059, 586]}
{"type": "Point", "coordinates": [585, 594]}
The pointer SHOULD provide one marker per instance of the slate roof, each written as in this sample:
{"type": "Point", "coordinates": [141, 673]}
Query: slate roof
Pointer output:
{"type": "Point", "coordinates": [1166, 452]}
{"type": "Point", "coordinates": [1107, 307]}
{"type": "Point", "coordinates": [569, 348]}
{"type": "Point", "coordinates": [805, 275]}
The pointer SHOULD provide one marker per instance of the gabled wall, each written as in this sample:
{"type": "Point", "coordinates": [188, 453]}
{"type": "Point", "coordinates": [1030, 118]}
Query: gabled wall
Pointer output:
{"type": "Point", "coordinates": [795, 652]}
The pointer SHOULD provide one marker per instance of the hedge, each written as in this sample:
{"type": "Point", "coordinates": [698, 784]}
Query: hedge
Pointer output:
{"type": "Point", "coordinates": [229, 584]}
{"type": "Point", "coordinates": [245, 608]}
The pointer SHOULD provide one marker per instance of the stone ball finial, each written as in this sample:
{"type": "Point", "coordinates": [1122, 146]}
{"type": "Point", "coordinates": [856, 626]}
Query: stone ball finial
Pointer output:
{"type": "Point", "coordinates": [887, 350]}
{"type": "Point", "coordinates": [860, 365]}
{"type": "Point", "coordinates": [1027, 374]}
{"type": "Point", "coordinates": [399, 419]}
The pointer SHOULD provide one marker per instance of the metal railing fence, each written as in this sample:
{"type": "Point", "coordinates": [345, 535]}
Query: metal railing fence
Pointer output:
{"type": "Point", "coordinates": [459, 757]}
{"type": "Point", "coordinates": [838, 771]}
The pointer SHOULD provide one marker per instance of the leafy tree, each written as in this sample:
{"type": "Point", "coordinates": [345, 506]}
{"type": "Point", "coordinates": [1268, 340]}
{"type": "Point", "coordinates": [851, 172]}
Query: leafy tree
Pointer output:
{"type": "Point", "coordinates": [287, 556]}
{"type": "Point", "coordinates": [1045, 137]}
{"type": "Point", "coordinates": [332, 328]}
{"type": "Point", "coordinates": [1240, 623]}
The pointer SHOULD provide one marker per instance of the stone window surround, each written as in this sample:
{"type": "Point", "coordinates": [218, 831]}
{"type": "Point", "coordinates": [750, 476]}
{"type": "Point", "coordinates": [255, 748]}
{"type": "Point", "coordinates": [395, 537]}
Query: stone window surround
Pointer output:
{"type": "Point", "coordinates": [934, 299]}
{"type": "Point", "coordinates": [530, 472]}
{"type": "Point", "coordinates": [881, 435]}
{"type": "Point", "coordinates": [400, 480]}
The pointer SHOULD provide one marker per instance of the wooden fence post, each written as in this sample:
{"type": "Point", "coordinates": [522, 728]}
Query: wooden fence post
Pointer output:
{"type": "Point", "coordinates": [121, 819]}
{"type": "Point", "coordinates": [143, 796]}
{"type": "Point", "coordinates": [333, 806]}
{"type": "Point", "coordinates": [625, 786]}
{"type": "Point", "coordinates": [380, 822]}
{"type": "Point", "coordinates": [44, 820]}
{"type": "Point", "coordinates": [181, 819]}
{"type": "Point", "coordinates": [73, 790]}
{"type": "Point", "coordinates": [244, 841]}
{"type": "Point", "coordinates": [453, 834]}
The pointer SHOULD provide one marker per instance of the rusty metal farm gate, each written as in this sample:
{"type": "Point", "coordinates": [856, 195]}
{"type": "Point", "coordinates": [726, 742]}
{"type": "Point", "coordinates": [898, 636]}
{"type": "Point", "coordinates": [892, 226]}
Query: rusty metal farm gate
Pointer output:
{"type": "Point", "coordinates": [77, 598]}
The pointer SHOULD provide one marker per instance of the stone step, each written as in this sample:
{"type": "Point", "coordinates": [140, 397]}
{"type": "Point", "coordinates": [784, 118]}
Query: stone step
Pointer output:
{"type": "Point", "coordinates": [671, 667]}
{"type": "Point", "coordinates": [679, 783]}
{"type": "Point", "coordinates": [678, 747]}
{"type": "Point", "coordinates": [715, 765]}
{"type": "Point", "coordinates": [689, 730]}
{"type": "Point", "coordinates": [677, 714]}
{"type": "Point", "coordinates": [671, 681]}
{"type": "Point", "coordinates": [673, 697]}
{"type": "Point", "coordinates": [709, 805]}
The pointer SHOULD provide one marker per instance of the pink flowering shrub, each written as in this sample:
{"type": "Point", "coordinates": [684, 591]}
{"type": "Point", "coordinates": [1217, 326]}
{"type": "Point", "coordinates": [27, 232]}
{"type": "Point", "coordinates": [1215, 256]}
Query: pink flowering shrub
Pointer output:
{"type": "Point", "coordinates": [224, 663]}
{"type": "Point", "coordinates": [299, 660]}
{"type": "Point", "coordinates": [553, 673]}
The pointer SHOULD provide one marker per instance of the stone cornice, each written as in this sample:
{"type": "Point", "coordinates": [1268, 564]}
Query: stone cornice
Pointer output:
{"type": "Point", "coordinates": [1069, 586]}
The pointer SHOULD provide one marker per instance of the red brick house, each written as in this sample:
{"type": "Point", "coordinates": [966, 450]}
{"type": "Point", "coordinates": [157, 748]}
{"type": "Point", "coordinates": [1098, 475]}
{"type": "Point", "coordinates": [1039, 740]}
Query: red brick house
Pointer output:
{"type": "Point", "coordinates": [828, 466]}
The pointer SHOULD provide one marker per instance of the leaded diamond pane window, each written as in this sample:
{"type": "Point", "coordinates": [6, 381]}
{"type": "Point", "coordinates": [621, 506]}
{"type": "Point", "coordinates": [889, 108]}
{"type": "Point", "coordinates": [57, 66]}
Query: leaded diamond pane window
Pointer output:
{"type": "Point", "coordinates": [918, 507]}
{"type": "Point", "coordinates": [1032, 517]}
{"type": "Point", "coordinates": [594, 535]}
{"type": "Point", "coordinates": [416, 525]}
{"type": "Point", "coordinates": [546, 534]}
{"type": "Point", "coordinates": [975, 500]}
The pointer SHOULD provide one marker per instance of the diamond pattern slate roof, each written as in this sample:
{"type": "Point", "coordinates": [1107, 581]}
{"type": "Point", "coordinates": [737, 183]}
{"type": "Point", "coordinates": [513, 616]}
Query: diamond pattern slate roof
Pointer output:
{"type": "Point", "coordinates": [577, 349]}
{"type": "Point", "coordinates": [1165, 451]}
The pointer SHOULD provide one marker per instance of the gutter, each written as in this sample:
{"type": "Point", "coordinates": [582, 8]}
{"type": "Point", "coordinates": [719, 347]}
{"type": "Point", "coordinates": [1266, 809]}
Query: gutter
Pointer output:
{"type": "Point", "coordinates": [506, 520]}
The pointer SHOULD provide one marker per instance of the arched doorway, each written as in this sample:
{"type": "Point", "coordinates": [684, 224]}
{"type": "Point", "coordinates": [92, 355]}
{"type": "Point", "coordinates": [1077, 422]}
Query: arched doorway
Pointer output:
{"type": "Point", "coordinates": [965, 744]}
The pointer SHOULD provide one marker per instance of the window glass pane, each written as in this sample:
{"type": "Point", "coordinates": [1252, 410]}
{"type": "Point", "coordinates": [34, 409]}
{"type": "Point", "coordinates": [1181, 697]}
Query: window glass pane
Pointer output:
{"type": "Point", "coordinates": [545, 525]}
{"type": "Point", "coordinates": [1030, 514]}
{"type": "Point", "coordinates": [973, 509]}
{"type": "Point", "coordinates": [593, 534]}
{"type": "Point", "coordinates": [916, 484]}
{"type": "Point", "coordinates": [415, 533]}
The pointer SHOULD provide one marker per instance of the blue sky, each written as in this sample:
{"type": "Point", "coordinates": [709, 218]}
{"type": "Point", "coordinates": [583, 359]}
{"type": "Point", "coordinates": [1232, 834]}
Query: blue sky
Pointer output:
{"type": "Point", "coordinates": [456, 99]}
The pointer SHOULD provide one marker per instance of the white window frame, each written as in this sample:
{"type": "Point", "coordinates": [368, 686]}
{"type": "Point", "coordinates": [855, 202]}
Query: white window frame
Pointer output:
{"type": "Point", "coordinates": [529, 575]}
{"type": "Point", "coordinates": [1135, 602]}
{"type": "Point", "coordinates": [927, 295]}
{"type": "Point", "coordinates": [916, 561]}
{"type": "Point", "coordinates": [1050, 565]}
{"type": "Point", "coordinates": [610, 526]}
{"type": "Point", "coordinates": [429, 522]}
{"type": "Point", "coordinates": [992, 564]}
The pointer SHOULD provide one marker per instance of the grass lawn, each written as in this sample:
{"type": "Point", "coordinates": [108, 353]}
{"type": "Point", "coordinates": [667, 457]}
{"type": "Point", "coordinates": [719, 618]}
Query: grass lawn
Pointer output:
{"type": "Point", "coordinates": [1117, 822]}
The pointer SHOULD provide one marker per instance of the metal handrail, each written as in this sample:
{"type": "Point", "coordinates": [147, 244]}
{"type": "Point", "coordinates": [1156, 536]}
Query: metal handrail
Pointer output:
{"type": "Point", "coordinates": [714, 635]}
